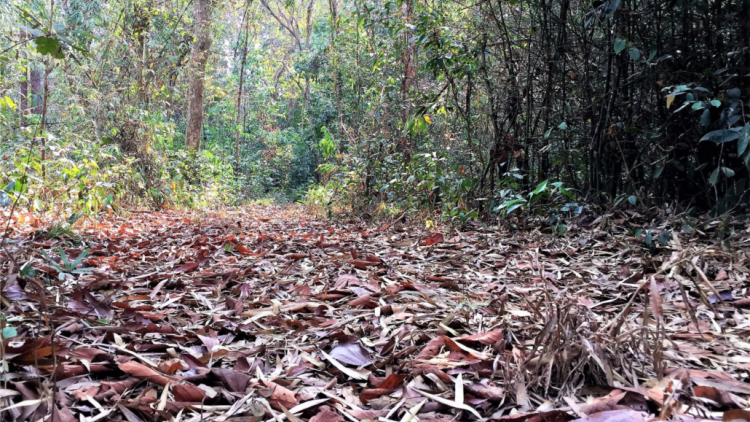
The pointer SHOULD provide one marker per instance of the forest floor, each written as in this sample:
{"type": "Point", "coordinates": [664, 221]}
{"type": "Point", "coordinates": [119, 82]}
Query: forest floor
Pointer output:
{"type": "Point", "coordinates": [266, 314]}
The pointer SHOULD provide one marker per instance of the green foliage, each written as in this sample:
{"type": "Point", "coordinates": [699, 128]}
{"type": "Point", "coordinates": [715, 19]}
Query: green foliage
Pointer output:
{"type": "Point", "coordinates": [327, 145]}
{"type": "Point", "coordinates": [547, 198]}
{"type": "Point", "coordinates": [9, 332]}
{"type": "Point", "coordinates": [61, 231]}
{"type": "Point", "coordinates": [186, 178]}
{"type": "Point", "coordinates": [66, 268]}
{"type": "Point", "coordinates": [466, 110]}
{"type": "Point", "coordinates": [653, 238]}
{"type": "Point", "coordinates": [50, 46]}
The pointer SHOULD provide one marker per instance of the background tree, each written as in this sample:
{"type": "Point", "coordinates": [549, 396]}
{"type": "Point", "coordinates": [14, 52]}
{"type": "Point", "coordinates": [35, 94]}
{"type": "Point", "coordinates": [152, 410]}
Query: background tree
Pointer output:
{"type": "Point", "coordinates": [197, 70]}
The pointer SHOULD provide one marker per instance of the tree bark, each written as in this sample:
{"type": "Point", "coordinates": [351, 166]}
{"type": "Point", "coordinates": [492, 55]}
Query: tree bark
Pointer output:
{"type": "Point", "coordinates": [196, 74]}
{"type": "Point", "coordinates": [406, 82]}
{"type": "Point", "coordinates": [23, 90]}
{"type": "Point", "coordinates": [37, 89]}
{"type": "Point", "coordinates": [337, 74]}
{"type": "Point", "coordinates": [239, 91]}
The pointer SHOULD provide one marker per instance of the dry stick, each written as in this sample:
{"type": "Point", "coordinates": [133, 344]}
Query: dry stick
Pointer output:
{"type": "Point", "coordinates": [620, 319]}
{"type": "Point", "coordinates": [644, 320]}
{"type": "Point", "coordinates": [705, 280]}
{"type": "Point", "coordinates": [688, 306]}
{"type": "Point", "coordinates": [628, 169]}
{"type": "Point", "coordinates": [625, 311]}
{"type": "Point", "coordinates": [54, 361]}
{"type": "Point", "coordinates": [702, 295]}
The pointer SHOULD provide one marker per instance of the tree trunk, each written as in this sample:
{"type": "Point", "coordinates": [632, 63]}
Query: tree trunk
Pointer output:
{"type": "Point", "coordinates": [337, 73]}
{"type": "Point", "coordinates": [239, 91]}
{"type": "Point", "coordinates": [37, 89]}
{"type": "Point", "coordinates": [408, 62]}
{"type": "Point", "coordinates": [23, 91]}
{"type": "Point", "coordinates": [196, 74]}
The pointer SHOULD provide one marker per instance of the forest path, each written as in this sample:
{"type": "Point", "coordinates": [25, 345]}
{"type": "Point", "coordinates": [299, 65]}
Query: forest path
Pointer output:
{"type": "Point", "coordinates": [266, 313]}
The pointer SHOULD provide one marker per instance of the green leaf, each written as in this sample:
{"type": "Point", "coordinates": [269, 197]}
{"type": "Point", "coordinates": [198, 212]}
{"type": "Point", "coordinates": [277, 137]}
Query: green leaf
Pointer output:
{"type": "Point", "coordinates": [64, 257]}
{"type": "Point", "coordinates": [714, 177]}
{"type": "Point", "coordinates": [634, 53]}
{"type": "Point", "coordinates": [540, 187]}
{"type": "Point", "coordinates": [706, 118]}
{"type": "Point", "coordinates": [727, 171]}
{"type": "Point", "coordinates": [513, 208]}
{"type": "Point", "coordinates": [665, 237]}
{"type": "Point", "coordinates": [80, 258]}
{"type": "Point", "coordinates": [562, 126]}
{"type": "Point", "coordinates": [620, 45]}
{"type": "Point", "coordinates": [744, 139]}
{"type": "Point", "coordinates": [697, 105]}
{"type": "Point", "coordinates": [51, 46]}
{"type": "Point", "coordinates": [632, 199]}
{"type": "Point", "coordinates": [9, 332]}
{"type": "Point", "coordinates": [8, 102]}
{"type": "Point", "coordinates": [716, 103]}
{"type": "Point", "coordinates": [547, 133]}
{"type": "Point", "coordinates": [659, 169]}
{"type": "Point", "coordinates": [720, 136]}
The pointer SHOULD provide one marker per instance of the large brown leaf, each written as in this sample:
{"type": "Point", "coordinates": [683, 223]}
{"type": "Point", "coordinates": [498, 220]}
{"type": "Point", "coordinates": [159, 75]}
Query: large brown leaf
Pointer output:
{"type": "Point", "coordinates": [232, 380]}
{"type": "Point", "coordinates": [143, 372]}
{"type": "Point", "coordinates": [187, 392]}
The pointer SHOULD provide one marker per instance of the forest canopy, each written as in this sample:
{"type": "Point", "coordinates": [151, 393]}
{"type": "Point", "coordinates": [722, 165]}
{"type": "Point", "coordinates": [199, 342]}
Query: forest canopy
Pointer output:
{"type": "Point", "coordinates": [471, 108]}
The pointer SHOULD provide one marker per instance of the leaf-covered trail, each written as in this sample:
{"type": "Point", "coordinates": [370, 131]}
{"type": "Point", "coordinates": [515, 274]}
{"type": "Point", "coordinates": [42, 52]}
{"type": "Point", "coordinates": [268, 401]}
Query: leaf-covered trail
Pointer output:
{"type": "Point", "coordinates": [264, 314]}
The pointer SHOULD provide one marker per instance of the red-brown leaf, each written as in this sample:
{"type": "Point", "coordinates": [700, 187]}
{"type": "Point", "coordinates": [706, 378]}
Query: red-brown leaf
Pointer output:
{"type": "Point", "coordinates": [143, 372]}
{"type": "Point", "coordinates": [187, 267]}
{"type": "Point", "coordinates": [234, 381]}
{"type": "Point", "coordinates": [280, 396]}
{"type": "Point", "coordinates": [736, 415]}
{"type": "Point", "coordinates": [362, 265]}
{"type": "Point", "coordinates": [373, 393]}
{"type": "Point", "coordinates": [655, 300]}
{"type": "Point", "coordinates": [192, 362]}
{"type": "Point", "coordinates": [434, 239]}
{"type": "Point", "coordinates": [722, 399]}
{"type": "Point", "coordinates": [488, 338]}
{"type": "Point", "coordinates": [188, 393]}
{"type": "Point", "coordinates": [431, 349]}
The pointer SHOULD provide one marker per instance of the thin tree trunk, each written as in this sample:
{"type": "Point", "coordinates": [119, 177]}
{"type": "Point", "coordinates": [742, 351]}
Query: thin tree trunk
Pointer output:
{"type": "Point", "coordinates": [23, 88]}
{"type": "Point", "coordinates": [337, 73]}
{"type": "Point", "coordinates": [406, 82]}
{"type": "Point", "coordinates": [43, 125]}
{"type": "Point", "coordinates": [239, 91]}
{"type": "Point", "coordinates": [196, 74]}
{"type": "Point", "coordinates": [37, 89]}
